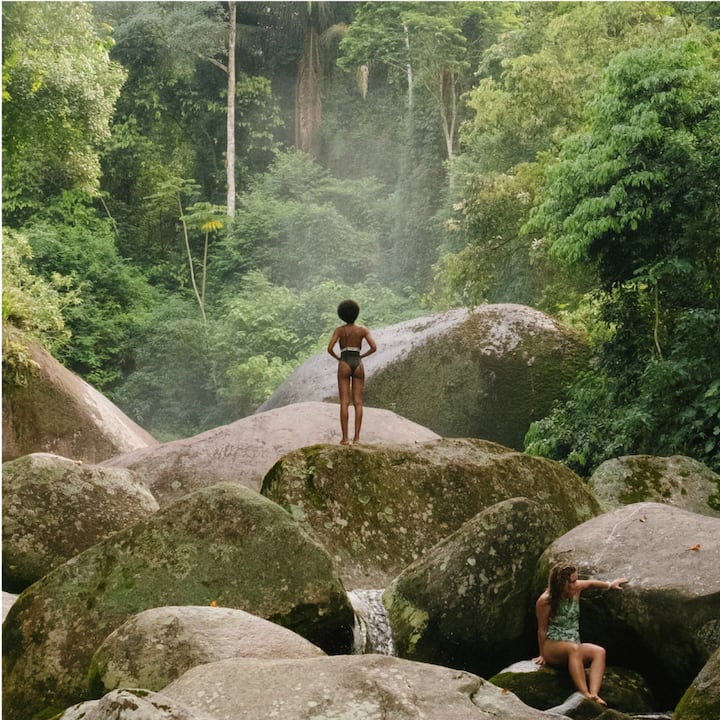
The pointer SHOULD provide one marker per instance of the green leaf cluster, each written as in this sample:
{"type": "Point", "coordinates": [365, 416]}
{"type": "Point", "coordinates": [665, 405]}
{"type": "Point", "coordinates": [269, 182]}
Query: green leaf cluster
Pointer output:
{"type": "Point", "coordinates": [561, 155]}
{"type": "Point", "coordinates": [59, 92]}
{"type": "Point", "coordinates": [634, 198]}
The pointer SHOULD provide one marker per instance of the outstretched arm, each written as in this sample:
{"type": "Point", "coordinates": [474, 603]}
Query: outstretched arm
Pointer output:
{"type": "Point", "coordinates": [602, 584]}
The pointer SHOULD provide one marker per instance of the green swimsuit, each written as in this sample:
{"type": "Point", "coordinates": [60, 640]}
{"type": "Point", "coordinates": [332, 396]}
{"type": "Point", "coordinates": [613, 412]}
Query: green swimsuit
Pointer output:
{"type": "Point", "coordinates": [564, 625]}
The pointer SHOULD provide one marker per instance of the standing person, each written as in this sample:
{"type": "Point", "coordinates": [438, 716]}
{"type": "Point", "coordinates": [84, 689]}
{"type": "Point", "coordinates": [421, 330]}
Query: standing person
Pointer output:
{"type": "Point", "coordinates": [558, 618]}
{"type": "Point", "coordinates": [351, 371]}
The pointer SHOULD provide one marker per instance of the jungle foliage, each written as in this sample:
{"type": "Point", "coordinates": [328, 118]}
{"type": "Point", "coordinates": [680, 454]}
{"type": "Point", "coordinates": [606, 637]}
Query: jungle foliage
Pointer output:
{"type": "Point", "coordinates": [414, 156]}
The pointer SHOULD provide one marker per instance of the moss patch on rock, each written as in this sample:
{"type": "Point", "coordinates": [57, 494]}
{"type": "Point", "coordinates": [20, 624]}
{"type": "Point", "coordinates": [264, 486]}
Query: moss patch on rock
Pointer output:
{"type": "Point", "coordinates": [378, 508]}
{"type": "Point", "coordinates": [225, 544]}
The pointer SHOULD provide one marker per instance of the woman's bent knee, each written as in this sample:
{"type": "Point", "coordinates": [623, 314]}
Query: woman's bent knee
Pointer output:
{"type": "Point", "coordinates": [593, 652]}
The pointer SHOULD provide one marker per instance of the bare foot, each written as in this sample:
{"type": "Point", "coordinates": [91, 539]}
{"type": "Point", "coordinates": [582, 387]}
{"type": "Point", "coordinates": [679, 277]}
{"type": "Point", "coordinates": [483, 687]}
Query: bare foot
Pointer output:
{"type": "Point", "coordinates": [345, 442]}
{"type": "Point", "coordinates": [597, 699]}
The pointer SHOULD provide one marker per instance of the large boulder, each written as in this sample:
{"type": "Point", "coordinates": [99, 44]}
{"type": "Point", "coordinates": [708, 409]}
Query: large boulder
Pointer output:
{"type": "Point", "coordinates": [464, 603]}
{"type": "Point", "coordinates": [245, 450]}
{"type": "Point", "coordinates": [486, 374]}
{"type": "Point", "coordinates": [53, 410]}
{"type": "Point", "coordinates": [548, 688]}
{"type": "Point", "coordinates": [367, 687]}
{"type": "Point", "coordinates": [378, 508]}
{"type": "Point", "coordinates": [54, 508]}
{"type": "Point", "coordinates": [666, 622]}
{"type": "Point", "coordinates": [678, 480]}
{"type": "Point", "coordinates": [157, 646]}
{"type": "Point", "coordinates": [701, 701]}
{"type": "Point", "coordinates": [226, 544]}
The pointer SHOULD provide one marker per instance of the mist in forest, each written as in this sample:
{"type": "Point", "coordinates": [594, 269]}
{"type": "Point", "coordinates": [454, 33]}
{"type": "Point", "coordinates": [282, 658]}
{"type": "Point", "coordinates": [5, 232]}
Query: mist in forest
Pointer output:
{"type": "Point", "coordinates": [226, 173]}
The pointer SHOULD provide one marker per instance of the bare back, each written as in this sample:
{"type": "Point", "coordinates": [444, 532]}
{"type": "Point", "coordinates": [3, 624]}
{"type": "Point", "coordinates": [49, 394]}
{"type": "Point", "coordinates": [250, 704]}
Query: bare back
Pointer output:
{"type": "Point", "coordinates": [351, 335]}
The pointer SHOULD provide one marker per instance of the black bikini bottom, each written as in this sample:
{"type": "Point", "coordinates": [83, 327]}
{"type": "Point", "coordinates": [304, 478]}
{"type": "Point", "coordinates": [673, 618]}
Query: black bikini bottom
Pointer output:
{"type": "Point", "coordinates": [352, 358]}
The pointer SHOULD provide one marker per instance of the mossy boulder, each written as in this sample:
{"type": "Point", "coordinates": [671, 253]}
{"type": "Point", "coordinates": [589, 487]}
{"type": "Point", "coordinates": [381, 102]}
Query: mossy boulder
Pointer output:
{"type": "Point", "coordinates": [665, 624]}
{"type": "Point", "coordinates": [54, 508]}
{"type": "Point", "coordinates": [701, 701]}
{"type": "Point", "coordinates": [464, 603]}
{"type": "Point", "coordinates": [226, 544]}
{"type": "Point", "coordinates": [47, 408]}
{"type": "Point", "coordinates": [678, 480]}
{"type": "Point", "coordinates": [545, 688]}
{"type": "Point", "coordinates": [486, 374]}
{"type": "Point", "coordinates": [378, 508]}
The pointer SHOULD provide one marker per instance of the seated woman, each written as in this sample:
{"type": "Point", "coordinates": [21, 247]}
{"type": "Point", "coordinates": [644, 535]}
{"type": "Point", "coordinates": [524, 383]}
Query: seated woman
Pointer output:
{"type": "Point", "coordinates": [558, 618]}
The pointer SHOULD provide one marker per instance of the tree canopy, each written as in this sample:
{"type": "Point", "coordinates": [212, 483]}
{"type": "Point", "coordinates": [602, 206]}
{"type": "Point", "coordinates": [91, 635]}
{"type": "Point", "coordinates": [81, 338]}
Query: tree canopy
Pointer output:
{"type": "Point", "coordinates": [413, 155]}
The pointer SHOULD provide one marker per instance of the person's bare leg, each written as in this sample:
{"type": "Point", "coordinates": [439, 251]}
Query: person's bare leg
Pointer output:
{"type": "Point", "coordinates": [344, 394]}
{"type": "Point", "coordinates": [576, 668]}
{"type": "Point", "coordinates": [358, 385]}
{"type": "Point", "coordinates": [596, 655]}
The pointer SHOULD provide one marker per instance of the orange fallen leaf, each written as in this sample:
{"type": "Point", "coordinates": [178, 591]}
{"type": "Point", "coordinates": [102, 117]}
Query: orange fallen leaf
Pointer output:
{"type": "Point", "coordinates": [695, 547]}
{"type": "Point", "coordinates": [213, 603]}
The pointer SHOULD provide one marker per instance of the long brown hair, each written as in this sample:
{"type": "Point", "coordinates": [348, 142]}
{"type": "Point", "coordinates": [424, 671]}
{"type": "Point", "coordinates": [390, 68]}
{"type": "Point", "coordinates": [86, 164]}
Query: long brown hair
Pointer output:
{"type": "Point", "coordinates": [559, 576]}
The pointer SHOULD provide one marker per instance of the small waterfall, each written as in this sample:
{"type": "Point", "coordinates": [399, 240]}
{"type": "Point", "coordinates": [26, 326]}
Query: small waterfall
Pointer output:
{"type": "Point", "coordinates": [372, 632]}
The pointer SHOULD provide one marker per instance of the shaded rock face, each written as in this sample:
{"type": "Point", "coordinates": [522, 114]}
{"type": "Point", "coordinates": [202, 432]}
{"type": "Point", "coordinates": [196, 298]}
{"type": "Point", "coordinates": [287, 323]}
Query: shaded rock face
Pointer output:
{"type": "Point", "coordinates": [679, 481]}
{"type": "Point", "coordinates": [701, 701]}
{"type": "Point", "coordinates": [486, 374]}
{"type": "Point", "coordinates": [366, 687]}
{"type": "Point", "coordinates": [226, 544]}
{"type": "Point", "coordinates": [245, 450]}
{"type": "Point", "coordinates": [157, 646]}
{"type": "Point", "coordinates": [464, 603]}
{"type": "Point", "coordinates": [54, 508]}
{"type": "Point", "coordinates": [379, 508]}
{"type": "Point", "coordinates": [57, 412]}
{"type": "Point", "coordinates": [547, 688]}
{"type": "Point", "coordinates": [666, 622]}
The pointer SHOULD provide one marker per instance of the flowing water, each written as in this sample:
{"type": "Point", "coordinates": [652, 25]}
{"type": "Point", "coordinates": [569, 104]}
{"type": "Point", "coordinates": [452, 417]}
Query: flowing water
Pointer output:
{"type": "Point", "coordinates": [372, 633]}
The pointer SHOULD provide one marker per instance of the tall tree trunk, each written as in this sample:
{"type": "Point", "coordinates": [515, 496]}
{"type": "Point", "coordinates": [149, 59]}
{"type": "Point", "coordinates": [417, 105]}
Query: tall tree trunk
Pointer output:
{"type": "Point", "coordinates": [308, 99]}
{"type": "Point", "coordinates": [409, 67]}
{"type": "Point", "coordinates": [230, 149]}
{"type": "Point", "coordinates": [447, 97]}
{"type": "Point", "coordinates": [200, 298]}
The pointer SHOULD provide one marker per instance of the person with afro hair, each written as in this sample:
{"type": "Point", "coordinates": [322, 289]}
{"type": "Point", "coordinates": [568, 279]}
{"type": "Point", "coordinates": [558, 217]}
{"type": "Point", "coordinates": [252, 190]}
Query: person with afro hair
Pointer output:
{"type": "Point", "coordinates": [351, 371]}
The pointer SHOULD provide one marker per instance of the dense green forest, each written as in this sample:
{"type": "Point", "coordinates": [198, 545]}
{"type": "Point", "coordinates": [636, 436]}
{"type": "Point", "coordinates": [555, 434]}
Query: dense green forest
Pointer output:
{"type": "Point", "coordinates": [189, 188]}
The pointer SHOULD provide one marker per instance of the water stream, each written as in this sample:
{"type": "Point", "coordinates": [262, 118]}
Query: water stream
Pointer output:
{"type": "Point", "coordinates": [372, 633]}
